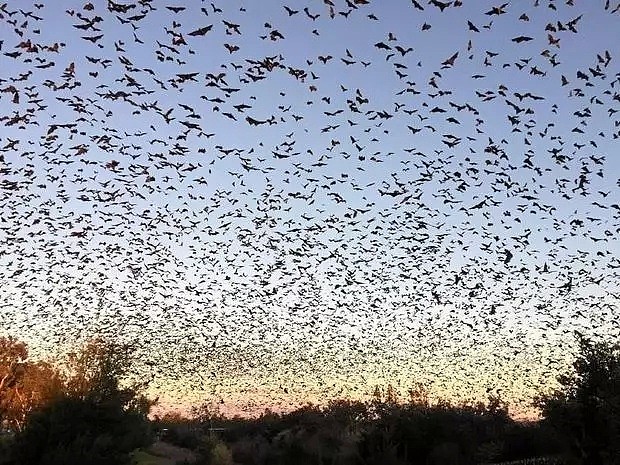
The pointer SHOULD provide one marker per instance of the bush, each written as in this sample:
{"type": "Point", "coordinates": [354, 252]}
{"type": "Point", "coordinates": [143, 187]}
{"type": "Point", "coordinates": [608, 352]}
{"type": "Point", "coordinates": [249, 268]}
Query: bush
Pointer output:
{"type": "Point", "coordinates": [73, 430]}
{"type": "Point", "coordinates": [6, 442]}
{"type": "Point", "coordinates": [213, 451]}
{"type": "Point", "coordinates": [220, 455]}
{"type": "Point", "coordinates": [251, 450]}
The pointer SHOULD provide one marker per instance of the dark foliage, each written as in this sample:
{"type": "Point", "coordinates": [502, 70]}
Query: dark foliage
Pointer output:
{"type": "Point", "coordinates": [379, 432]}
{"type": "Point", "coordinates": [586, 407]}
{"type": "Point", "coordinates": [74, 430]}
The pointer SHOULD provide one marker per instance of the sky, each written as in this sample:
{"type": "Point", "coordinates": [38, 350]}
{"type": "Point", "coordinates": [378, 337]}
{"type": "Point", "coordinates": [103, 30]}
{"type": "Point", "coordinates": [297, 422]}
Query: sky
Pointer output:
{"type": "Point", "coordinates": [281, 203]}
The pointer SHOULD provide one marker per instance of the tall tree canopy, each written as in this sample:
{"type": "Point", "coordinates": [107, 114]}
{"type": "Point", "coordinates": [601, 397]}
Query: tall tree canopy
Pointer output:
{"type": "Point", "coordinates": [586, 406]}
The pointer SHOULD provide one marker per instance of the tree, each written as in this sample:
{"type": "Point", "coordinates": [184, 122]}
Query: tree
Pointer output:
{"type": "Point", "coordinates": [95, 421]}
{"type": "Point", "coordinates": [13, 355]}
{"type": "Point", "coordinates": [96, 370]}
{"type": "Point", "coordinates": [24, 385]}
{"type": "Point", "coordinates": [40, 384]}
{"type": "Point", "coordinates": [586, 406]}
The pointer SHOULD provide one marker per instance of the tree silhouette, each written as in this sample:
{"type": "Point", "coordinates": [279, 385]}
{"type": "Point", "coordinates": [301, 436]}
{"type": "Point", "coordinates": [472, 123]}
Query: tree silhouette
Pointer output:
{"type": "Point", "coordinates": [586, 406]}
{"type": "Point", "coordinates": [96, 421]}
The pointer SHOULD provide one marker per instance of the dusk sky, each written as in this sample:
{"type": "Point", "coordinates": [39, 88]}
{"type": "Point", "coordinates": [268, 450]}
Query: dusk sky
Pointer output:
{"type": "Point", "coordinates": [281, 203]}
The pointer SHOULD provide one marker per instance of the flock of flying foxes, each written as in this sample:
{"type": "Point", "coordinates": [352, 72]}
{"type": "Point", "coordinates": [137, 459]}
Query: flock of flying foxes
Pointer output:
{"type": "Point", "coordinates": [303, 199]}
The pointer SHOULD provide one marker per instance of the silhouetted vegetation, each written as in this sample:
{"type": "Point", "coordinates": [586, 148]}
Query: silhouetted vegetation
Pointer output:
{"type": "Point", "coordinates": [378, 432]}
{"type": "Point", "coordinates": [87, 419]}
{"type": "Point", "coordinates": [91, 419]}
{"type": "Point", "coordinates": [586, 407]}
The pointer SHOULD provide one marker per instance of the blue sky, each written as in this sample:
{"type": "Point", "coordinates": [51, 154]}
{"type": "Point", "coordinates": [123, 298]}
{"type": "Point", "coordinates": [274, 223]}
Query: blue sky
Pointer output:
{"type": "Point", "coordinates": [396, 217]}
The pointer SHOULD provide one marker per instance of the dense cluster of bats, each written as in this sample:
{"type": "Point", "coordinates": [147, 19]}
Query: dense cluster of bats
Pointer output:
{"type": "Point", "coordinates": [291, 202]}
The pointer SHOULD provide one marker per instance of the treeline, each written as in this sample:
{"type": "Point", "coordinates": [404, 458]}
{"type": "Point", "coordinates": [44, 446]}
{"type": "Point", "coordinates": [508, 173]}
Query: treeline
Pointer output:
{"type": "Point", "coordinates": [84, 412]}
{"type": "Point", "coordinates": [376, 432]}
